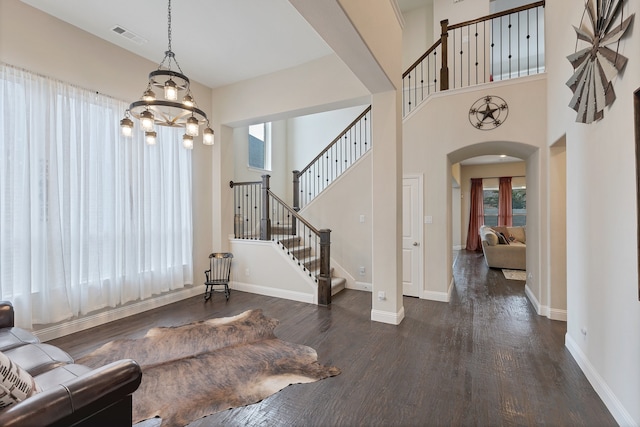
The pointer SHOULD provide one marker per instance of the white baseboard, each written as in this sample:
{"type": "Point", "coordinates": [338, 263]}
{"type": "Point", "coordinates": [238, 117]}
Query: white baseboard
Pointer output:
{"type": "Point", "coordinates": [360, 286]}
{"type": "Point", "coordinates": [77, 325]}
{"type": "Point", "coordinates": [555, 314]}
{"type": "Point", "coordinates": [458, 247]}
{"type": "Point", "coordinates": [387, 316]}
{"type": "Point", "coordinates": [274, 292]}
{"type": "Point", "coordinates": [610, 400]}
{"type": "Point", "coordinates": [532, 298]}
{"type": "Point", "coordinates": [436, 296]}
{"type": "Point", "coordinates": [439, 296]}
{"type": "Point", "coordinates": [543, 310]}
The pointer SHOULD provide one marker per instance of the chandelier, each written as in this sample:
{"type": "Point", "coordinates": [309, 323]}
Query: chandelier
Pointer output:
{"type": "Point", "coordinates": [151, 111]}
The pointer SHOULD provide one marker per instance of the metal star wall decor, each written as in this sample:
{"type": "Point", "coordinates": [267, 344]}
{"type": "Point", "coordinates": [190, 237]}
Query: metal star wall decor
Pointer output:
{"type": "Point", "coordinates": [488, 112]}
{"type": "Point", "coordinates": [597, 65]}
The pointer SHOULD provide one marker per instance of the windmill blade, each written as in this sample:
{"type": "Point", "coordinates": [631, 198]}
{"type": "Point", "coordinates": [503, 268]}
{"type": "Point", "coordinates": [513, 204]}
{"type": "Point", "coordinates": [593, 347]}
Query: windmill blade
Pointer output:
{"type": "Point", "coordinates": [616, 34]}
{"type": "Point", "coordinates": [578, 93]}
{"type": "Point", "coordinates": [589, 98]}
{"type": "Point", "coordinates": [584, 33]}
{"type": "Point", "coordinates": [577, 75]}
{"type": "Point", "coordinates": [593, 16]}
{"type": "Point", "coordinates": [579, 58]}
{"type": "Point", "coordinates": [611, 14]}
{"type": "Point", "coordinates": [599, 87]}
{"type": "Point", "coordinates": [608, 68]}
{"type": "Point", "coordinates": [615, 59]}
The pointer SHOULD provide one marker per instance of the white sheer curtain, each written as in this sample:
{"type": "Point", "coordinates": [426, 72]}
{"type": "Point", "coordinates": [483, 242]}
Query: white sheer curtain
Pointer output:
{"type": "Point", "coordinates": [88, 219]}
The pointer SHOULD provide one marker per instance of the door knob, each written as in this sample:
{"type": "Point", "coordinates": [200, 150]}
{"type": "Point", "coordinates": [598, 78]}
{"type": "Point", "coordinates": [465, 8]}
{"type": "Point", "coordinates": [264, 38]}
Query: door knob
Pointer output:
{"type": "Point", "coordinates": [416, 244]}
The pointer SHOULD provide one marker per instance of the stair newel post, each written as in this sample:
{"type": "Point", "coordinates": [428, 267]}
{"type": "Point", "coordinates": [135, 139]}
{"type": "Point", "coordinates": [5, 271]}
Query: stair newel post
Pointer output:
{"type": "Point", "coordinates": [296, 200]}
{"type": "Point", "coordinates": [324, 278]}
{"type": "Point", "coordinates": [444, 66]}
{"type": "Point", "coordinates": [265, 219]}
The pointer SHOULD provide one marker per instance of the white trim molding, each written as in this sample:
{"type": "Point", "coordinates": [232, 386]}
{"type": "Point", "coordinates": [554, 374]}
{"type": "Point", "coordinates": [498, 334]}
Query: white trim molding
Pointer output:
{"type": "Point", "coordinates": [309, 298]}
{"type": "Point", "coordinates": [544, 310]}
{"type": "Point", "coordinates": [360, 286]}
{"type": "Point", "coordinates": [610, 400]}
{"type": "Point", "coordinates": [387, 316]}
{"type": "Point", "coordinates": [91, 321]}
{"type": "Point", "coordinates": [439, 296]}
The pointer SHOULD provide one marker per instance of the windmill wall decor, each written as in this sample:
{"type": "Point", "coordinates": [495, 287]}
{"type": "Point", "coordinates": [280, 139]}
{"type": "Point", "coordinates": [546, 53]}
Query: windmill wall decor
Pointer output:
{"type": "Point", "coordinates": [597, 65]}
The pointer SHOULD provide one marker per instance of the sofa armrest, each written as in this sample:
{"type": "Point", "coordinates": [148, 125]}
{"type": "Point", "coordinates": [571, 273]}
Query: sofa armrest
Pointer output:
{"type": "Point", "coordinates": [7, 316]}
{"type": "Point", "coordinates": [75, 401]}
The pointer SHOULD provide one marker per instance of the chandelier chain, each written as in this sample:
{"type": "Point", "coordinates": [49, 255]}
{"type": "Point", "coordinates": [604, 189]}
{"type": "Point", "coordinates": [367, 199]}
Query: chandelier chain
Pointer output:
{"type": "Point", "coordinates": [169, 24]}
{"type": "Point", "coordinates": [169, 53]}
{"type": "Point", "coordinates": [170, 111]}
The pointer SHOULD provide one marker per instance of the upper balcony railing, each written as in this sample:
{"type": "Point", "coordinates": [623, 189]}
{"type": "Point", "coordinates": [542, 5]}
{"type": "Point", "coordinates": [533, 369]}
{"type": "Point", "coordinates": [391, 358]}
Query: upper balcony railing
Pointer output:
{"type": "Point", "coordinates": [346, 149]}
{"type": "Point", "coordinates": [499, 46]}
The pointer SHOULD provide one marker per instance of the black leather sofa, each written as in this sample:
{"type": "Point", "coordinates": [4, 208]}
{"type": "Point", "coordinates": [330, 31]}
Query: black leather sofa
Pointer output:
{"type": "Point", "coordinates": [72, 394]}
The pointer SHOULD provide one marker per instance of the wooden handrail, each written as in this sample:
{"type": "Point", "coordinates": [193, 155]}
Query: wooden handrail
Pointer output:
{"type": "Point", "coordinates": [422, 58]}
{"type": "Point", "coordinates": [364, 113]}
{"type": "Point", "coordinates": [498, 14]}
{"type": "Point", "coordinates": [471, 22]}
{"type": "Point", "coordinates": [294, 213]}
{"type": "Point", "coordinates": [422, 77]}
{"type": "Point", "coordinates": [232, 184]}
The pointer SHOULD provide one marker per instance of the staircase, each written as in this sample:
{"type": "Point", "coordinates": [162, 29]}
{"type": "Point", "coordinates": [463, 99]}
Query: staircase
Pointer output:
{"type": "Point", "coordinates": [261, 215]}
{"type": "Point", "coordinates": [309, 261]}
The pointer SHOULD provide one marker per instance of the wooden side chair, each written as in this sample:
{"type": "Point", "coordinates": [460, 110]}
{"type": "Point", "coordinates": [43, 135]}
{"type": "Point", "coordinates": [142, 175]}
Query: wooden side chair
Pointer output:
{"type": "Point", "coordinates": [217, 276]}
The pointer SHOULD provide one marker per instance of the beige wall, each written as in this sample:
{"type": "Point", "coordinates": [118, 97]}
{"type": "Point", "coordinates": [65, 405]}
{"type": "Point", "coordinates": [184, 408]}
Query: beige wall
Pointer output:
{"type": "Point", "coordinates": [431, 147]}
{"type": "Point", "coordinates": [417, 35]}
{"type": "Point", "coordinates": [339, 209]}
{"type": "Point", "coordinates": [602, 279]}
{"type": "Point", "coordinates": [43, 44]}
{"type": "Point", "coordinates": [457, 12]}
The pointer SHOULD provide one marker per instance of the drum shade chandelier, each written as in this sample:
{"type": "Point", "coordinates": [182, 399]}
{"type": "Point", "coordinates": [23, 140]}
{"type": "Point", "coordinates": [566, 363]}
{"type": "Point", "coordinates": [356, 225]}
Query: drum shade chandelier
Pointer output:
{"type": "Point", "coordinates": [151, 111]}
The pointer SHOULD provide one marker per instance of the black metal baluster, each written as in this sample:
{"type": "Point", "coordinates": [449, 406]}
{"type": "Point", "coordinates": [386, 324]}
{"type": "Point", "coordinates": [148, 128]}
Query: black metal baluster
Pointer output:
{"type": "Point", "coordinates": [476, 51]}
{"type": "Point", "coordinates": [509, 27]}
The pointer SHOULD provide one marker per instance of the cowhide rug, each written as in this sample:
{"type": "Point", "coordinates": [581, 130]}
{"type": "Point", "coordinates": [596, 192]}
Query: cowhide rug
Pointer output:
{"type": "Point", "coordinates": [194, 370]}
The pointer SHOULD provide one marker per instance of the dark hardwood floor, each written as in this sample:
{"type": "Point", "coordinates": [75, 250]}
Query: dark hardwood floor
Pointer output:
{"type": "Point", "coordinates": [484, 359]}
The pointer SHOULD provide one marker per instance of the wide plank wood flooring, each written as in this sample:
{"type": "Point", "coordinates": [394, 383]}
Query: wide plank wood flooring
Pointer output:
{"type": "Point", "coordinates": [484, 359]}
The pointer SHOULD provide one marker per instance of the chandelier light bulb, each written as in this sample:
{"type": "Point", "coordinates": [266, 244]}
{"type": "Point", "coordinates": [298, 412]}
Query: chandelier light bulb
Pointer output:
{"type": "Point", "coordinates": [150, 137]}
{"type": "Point", "coordinates": [170, 90]}
{"type": "Point", "coordinates": [192, 127]}
{"type": "Point", "coordinates": [187, 141]}
{"type": "Point", "coordinates": [126, 125]}
{"type": "Point", "coordinates": [149, 95]}
{"type": "Point", "coordinates": [146, 120]}
{"type": "Point", "coordinates": [207, 136]}
{"type": "Point", "coordinates": [188, 100]}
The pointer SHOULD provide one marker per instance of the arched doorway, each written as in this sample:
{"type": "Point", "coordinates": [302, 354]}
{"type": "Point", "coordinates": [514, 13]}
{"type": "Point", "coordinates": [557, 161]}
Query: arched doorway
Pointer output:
{"type": "Point", "coordinates": [542, 171]}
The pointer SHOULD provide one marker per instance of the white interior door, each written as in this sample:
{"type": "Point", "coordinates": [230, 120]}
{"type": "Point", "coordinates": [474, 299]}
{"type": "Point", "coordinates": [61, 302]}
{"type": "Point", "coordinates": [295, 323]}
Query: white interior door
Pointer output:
{"type": "Point", "coordinates": [412, 259]}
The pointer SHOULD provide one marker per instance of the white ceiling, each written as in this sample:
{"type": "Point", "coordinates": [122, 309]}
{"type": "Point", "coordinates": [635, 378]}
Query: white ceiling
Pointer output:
{"type": "Point", "coordinates": [216, 42]}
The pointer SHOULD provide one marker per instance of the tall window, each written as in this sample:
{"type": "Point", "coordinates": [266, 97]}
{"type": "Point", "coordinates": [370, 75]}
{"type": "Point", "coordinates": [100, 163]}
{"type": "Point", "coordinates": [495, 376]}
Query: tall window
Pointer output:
{"type": "Point", "coordinates": [88, 219]}
{"type": "Point", "coordinates": [260, 146]}
{"type": "Point", "coordinates": [519, 206]}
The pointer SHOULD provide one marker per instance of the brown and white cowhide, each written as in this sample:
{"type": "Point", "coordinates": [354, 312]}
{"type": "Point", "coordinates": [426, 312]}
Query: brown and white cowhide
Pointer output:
{"type": "Point", "coordinates": [194, 370]}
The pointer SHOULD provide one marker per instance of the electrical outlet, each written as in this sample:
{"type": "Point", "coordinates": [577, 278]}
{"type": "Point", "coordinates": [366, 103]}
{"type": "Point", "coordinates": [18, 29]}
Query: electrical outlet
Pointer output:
{"type": "Point", "coordinates": [361, 271]}
{"type": "Point", "coordinates": [247, 272]}
{"type": "Point", "coordinates": [382, 295]}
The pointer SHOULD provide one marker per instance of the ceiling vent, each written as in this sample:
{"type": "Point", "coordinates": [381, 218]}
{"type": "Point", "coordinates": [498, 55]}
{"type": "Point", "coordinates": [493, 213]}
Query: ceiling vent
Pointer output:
{"type": "Point", "coordinates": [129, 35]}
